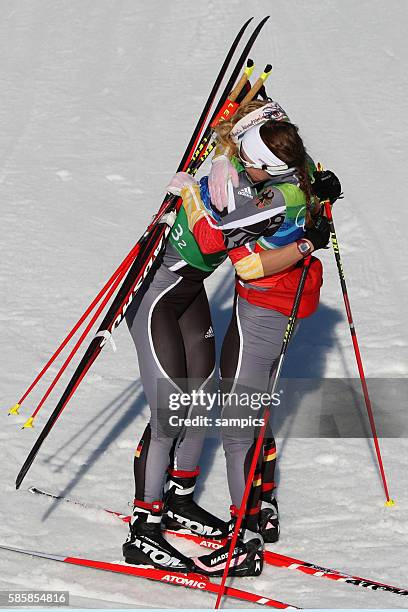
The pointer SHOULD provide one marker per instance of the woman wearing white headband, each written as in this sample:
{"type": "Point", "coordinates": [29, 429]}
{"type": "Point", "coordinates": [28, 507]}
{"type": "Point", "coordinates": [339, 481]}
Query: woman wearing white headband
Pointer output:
{"type": "Point", "coordinates": [269, 225]}
{"type": "Point", "coordinates": [170, 324]}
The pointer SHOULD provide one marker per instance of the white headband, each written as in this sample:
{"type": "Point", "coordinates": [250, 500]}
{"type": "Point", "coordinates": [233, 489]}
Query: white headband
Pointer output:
{"type": "Point", "coordinates": [255, 148]}
{"type": "Point", "coordinates": [270, 110]}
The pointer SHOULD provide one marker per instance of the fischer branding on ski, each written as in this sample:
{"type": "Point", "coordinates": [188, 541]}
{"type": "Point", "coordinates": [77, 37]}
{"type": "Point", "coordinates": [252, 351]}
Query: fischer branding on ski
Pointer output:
{"type": "Point", "coordinates": [271, 558]}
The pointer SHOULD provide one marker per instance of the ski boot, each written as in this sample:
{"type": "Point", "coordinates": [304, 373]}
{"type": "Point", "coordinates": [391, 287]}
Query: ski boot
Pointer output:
{"type": "Point", "coordinates": [268, 521]}
{"type": "Point", "coordinates": [183, 514]}
{"type": "Point", "coordinates": [145, 544]}
{"type": "Point", "coordinates": [246, 560]}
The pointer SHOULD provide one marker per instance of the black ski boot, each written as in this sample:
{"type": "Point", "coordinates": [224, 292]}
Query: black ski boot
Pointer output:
{"type": "Point", "coordinates": [247, 558]}
{"type": "Point", "coordinates": [145, 544]}
{"type": "Point", "coordinates": [268, 521]}
{"type": "Point", "coordinates": [182, 513]}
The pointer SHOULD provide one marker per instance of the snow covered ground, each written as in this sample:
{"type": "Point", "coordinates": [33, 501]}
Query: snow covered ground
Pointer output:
{"type": "Point", "coordinates": [98, 99]}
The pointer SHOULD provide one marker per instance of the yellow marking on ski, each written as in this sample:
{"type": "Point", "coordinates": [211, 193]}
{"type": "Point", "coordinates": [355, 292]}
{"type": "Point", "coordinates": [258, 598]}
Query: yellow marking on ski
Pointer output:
{"type": "Point", "coordinates": [14, 409]}
{"type": "Point", "coordinates": [249, 70]}
{"type": "Point", "coordinates": [390, 502]}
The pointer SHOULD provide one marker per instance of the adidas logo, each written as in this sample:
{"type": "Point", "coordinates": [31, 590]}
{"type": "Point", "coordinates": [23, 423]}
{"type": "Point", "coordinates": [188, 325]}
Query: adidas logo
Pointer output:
{"type": "Point", "coordinates": [246, 191]}
{"type": "Point", "coordinates": [209, 333]}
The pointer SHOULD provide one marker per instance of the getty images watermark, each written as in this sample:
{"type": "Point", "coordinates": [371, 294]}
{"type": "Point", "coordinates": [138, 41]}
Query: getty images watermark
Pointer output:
{"type": "Point", "coordinates": [209, 400]}
{"type": "Point", "coordinates": [203, 409]}
{"type": "Point", "coordinates": [303, 408]}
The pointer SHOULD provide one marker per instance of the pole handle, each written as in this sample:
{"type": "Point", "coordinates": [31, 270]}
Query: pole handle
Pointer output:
{"type": "Point", "coordinates": [257, 85]}
{"type": "Point", "coordinates": [242, 81]}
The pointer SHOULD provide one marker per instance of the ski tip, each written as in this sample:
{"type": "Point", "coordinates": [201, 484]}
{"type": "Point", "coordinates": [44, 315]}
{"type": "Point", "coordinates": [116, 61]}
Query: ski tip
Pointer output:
{"type": "Point", "coordinates": [246, 24]}
{"type": "Point", "coordinates": [29, 423]}
{"type": "Point", "coordinates": [15, 409]}
{"type": "Point", "coordinates": [268, 68]}
{"type": "Point", "coordinates": [250, 63]}
{"type": "Point", "coordinates": [390, 502]}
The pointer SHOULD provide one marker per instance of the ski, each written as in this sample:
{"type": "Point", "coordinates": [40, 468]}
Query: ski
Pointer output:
{"type": "Point", "coordinates": [152, 244]}
{"type": "Point", "coordinates": [312, 569]}
{"type": "Point", "coordinates": [271, 558]}
{"type": "Point", "coordinates": [190, 581]}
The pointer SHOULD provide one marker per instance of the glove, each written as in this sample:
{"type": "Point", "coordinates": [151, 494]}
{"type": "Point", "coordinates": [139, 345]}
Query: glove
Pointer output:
{"type": "Point", "coordinates": [250, 267]}
{"type": "Point", "coordinates": [319, 235]}
{"type": "Point", "coordinates": [180, 180]}
{"type": "Point", "coordinates": [326, 185]}
{"type": "Point", "coordinates": [193, 204]}
{"type": "Point", "coordinates": [221, 171]}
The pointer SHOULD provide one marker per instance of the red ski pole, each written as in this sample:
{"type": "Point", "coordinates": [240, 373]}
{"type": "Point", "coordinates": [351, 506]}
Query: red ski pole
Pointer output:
{"type": "Point", "coordinates": [129, 257]}
{"type": "Point", "coordinates": [327, 208]}
{"type": "Point", "coordinates": [259, 443]}
{"type": "Point", "coordinates": [117, 280]}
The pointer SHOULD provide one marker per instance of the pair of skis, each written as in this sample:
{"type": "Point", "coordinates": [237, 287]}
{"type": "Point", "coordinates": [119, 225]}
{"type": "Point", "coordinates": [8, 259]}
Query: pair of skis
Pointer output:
{"type": "Point", "coordinates": [197, 581]}
{"type": "Point", "coordinates": [144, 255]}
{"type": "Point", "coordinates": [190, 581]}
{"type": "Point", "coordinates": [270, 558]}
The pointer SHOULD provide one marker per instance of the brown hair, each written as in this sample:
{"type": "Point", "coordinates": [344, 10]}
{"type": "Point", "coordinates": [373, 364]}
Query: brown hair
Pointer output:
{"type": "Point", "coordinates": [283, 139]}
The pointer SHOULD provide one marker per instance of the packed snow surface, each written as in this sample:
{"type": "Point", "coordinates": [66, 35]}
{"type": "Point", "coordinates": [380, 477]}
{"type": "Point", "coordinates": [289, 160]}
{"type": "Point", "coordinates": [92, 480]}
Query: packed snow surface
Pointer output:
{"type": "Point", "coordinates": [98, 100]}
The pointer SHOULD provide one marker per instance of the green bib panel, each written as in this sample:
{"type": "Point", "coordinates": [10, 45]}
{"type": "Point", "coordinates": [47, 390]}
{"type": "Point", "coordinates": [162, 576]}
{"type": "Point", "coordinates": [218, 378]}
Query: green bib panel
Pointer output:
{"type": "Point", "coordinates": [186, 246]}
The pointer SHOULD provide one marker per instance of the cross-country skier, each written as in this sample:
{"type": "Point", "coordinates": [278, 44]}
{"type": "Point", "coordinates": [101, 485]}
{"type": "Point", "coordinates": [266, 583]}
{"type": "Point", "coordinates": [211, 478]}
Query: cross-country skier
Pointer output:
{"type": "Point", "coordinates": [270, 182]}
{"type": "Point", "coordinates": [170, 324]}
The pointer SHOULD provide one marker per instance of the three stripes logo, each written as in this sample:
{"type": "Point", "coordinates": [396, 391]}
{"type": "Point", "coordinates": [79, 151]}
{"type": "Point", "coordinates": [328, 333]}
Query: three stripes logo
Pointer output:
{"type": "Point", "coordinates": [209, 333]}
{"type": "Point", "coordinates": [246, 191]}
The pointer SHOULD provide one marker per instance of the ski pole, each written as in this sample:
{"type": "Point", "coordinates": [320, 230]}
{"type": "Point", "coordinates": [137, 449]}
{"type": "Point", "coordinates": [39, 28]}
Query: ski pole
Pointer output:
{"type": "Point", "coordinates": [114, 285]}
{"type": "Point", "coordinates": [129, 257]}
{"type": "Point", "coordinates": [132, 254]}
{"type": "Point", "coordinates": [226, 111]}
{"type": "Point", "coordinates": [152, 245]}
{"type": "Point", "coordinates": [242, 81]}
{"type": "Point", "coordinates": [121, 271]}
{"type": "Point", "coordinates": [230, 107]}
{"type": "Point", "coordinates": [336, 250]}
{"type": "Point", "coordinates": [259, 443]}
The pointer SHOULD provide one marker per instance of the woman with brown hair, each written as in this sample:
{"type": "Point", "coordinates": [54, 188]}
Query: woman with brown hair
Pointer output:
{"type": "Point", "coordinates": [268, 223]}
{"type": "Point", "coordinates": [170, 324]}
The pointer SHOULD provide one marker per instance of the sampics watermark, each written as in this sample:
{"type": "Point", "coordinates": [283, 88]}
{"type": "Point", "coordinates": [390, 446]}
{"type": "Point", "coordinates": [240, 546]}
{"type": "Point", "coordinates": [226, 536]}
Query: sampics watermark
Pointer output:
{"type": "Point", "coordinates": [201, 421]}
